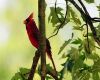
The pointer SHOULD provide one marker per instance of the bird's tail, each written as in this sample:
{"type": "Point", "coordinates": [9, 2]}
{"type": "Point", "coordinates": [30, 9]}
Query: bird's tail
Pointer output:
{"type": "Point", "coordinates": [50, 56]}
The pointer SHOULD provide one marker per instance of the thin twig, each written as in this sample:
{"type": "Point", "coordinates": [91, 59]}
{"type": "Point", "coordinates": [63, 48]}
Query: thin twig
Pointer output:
{"type": "Point", "coordinates": [95, 19]}
{"type": "Point", "coordinates": [84, 7]}
{"type": "Point", "coordinates": [88, 19]}
{"type": "Point", "coordinates": [61, 22]}
{"type": "Point", "coordinates": [52, 73]}
{"type": "Point", "coordinates": [97, 47]}
{"type": "Point", "coordinates": [88, 39]}
{"type": "Point", "coordinates": [83, 25]}
{"type": "Point", "coordinates": [56, 12]}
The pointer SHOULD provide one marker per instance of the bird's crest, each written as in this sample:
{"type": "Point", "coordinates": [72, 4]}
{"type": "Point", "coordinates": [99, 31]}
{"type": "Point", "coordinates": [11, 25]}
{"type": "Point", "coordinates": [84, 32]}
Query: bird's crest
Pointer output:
{"type": "Point", "coordinates": [28, 19]}
{"type": "Point", "coordinates": [31, 16]}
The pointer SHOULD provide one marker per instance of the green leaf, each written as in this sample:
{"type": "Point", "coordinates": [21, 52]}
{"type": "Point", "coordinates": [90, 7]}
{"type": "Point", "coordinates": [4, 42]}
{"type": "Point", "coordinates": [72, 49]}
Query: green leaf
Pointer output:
{"type": "Point", "coordinates": [48, 67]}
{"type": "Point", "coordinates": [96, 66]}
{"type": "Point", "coordinates": [64, 45]}
{"type": "Point", "coordinates": [77, 41]}
{"type": "Point", "coordinates": [74, 53]}
{"type": "Point", "coordinates": [89, 1]}
{"type": "Point", "coordinates": [85, 76]}
{"type": "Point", "coordinates": [95, 76]}
{"type": "Point", "coordinates": [98, 8]}
{"type": "Point", "coordinates": [93, 56]}
{"type": "Point", "coordinates": [21, 75]}
{"type": "Point", "coordinates": [98, 31]}
{"type": "Point", "coordinates": [61, 74]}
{"type": "Point", "coordinates": [17, 76]}
{"type": "Point", "coordinates": [80, 47]}
{"type": "Point", "coordinates": [48, 78]}
{"type": "Point", "coordinates": [80, 70]}
{"type": "Point", "coordinates": [76, 27]}
{"type": "Point", "coordinates": [24, 70]}
{"type": "Point", "coordinates": [78, 64]}
{"type": "Point", "coordinates": [53, 17]}
{"type": "Point", "coordinates": [73, 16]}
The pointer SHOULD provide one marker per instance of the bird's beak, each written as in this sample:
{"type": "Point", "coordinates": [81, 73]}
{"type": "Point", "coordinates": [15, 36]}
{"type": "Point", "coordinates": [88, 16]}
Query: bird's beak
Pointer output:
{"type": "Point", "coordinates": [25, 22]}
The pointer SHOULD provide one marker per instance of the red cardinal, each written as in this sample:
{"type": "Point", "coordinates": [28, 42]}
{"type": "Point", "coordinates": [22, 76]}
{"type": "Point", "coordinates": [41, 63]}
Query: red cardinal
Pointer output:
{"type": "Point", "coordinates": [33, 34]}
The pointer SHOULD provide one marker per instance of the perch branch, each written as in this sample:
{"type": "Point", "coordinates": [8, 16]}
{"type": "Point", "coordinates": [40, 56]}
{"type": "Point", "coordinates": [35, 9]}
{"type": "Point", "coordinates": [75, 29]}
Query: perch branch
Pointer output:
{"type": "Point", "coordinates": [87, 19]}
{"type": "Point", "coordinates": [34, 64]}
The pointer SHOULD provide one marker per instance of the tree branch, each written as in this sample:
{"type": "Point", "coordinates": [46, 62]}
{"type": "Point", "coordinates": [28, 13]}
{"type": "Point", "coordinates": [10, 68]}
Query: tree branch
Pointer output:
{"type": "Point", "coordinates": [88, 39]}
{"type": "Point", "coordinates": [87, 19]}
{"type": "Point", "coordinates": [34, 64]}
{"type": "Point", "coordinates": [42, 38]}
{"type": "Point", "coordinates": [52, 73]}
{"type": "Point", "coordinates": [95, 19]}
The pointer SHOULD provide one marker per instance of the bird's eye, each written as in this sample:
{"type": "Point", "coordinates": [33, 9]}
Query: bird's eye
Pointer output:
{"type": "Point", "coordinates": [27, 20]}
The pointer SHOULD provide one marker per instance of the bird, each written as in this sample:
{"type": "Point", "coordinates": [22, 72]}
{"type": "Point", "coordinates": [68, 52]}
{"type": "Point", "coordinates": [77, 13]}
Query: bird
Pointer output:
{"type": "Point", "coordinates": [33, 33]}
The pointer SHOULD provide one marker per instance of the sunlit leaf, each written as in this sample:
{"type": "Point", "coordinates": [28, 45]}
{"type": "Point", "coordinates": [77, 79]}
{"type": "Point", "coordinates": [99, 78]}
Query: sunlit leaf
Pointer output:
{"type": "Point", "coordinates": [76, 27]}
{"type": "Point", "coordinates": [64, 45]}
{"type": "Point", "coordinates": [53, 16]}
{"type": "Point", "coordinates": [17, 76]}
{"type": "Point", "coordinates": [77, 41]}
{"type": "Point", "coordinates": [24, 70]}
{"type": "Point", "coordinates": [98, 8]}
{"type": "Point", "coordinates": [73, 16]}
{"type": "Point", "coordinates": [21, 75]}
{"type": "Point", "coordinates": [98, 31]}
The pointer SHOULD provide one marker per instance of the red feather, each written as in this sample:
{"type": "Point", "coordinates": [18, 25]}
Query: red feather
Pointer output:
{"type": "Point", "coordinates": [33, 34]}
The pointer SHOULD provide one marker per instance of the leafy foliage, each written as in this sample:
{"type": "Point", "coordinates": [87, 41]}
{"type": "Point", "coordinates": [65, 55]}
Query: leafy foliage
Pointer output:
{"type": "Point", "coordinates": [89, 1]}
{"type": "Point", "coordinates": [64, 45]}
{"type": "Point", "coordinates": [81, 49]}
{"type": "Point", "coordinates": [21, 75]}
{"type": "Point", "coordinates": [98, 7]}
{"type": "Point", "coordinates": [73, 16]}
{"type": "Point", "coordinates": [96, 76]}
{"type": "Point", "coordinates": [78, 56]}
{"type": "Point", "coordinates": [77, 41]}
{"type": "Point", "coordinates": [53, 16]}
